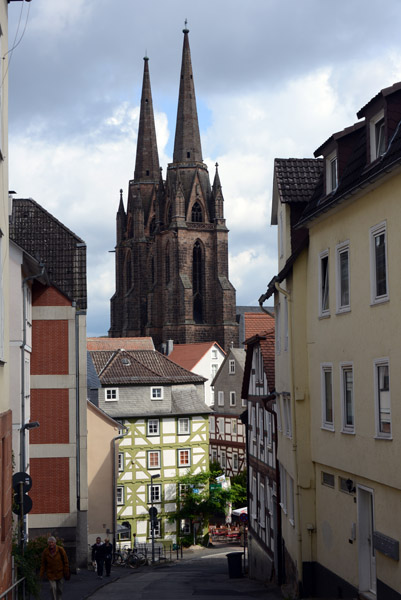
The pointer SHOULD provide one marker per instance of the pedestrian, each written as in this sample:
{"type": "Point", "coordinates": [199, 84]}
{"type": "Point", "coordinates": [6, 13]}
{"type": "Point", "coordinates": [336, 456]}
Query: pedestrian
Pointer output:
{"type": "Point", "coordinates": [98, 556]}
{"type": "Point", "coordinates": [55, 566]}
{"type": "Point", "coordinates": [108, 555]}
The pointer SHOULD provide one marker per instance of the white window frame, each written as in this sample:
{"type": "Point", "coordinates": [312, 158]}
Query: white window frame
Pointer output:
{"type": "Point", "coordinates": [233, 399]}
{"type": "Point", "coordinates": [344, 368]}
{"type": "Point", "coordinates": [180, 453]}
{"type": "Point", "coordinates": [151, 423]}
{"type": "Point", "coordinates": [223, 459]}
{"type": "Point", "coordinates": [342, 306]}
{"type": "Point", "coordinates": [111, 394]}
{"type": "Point", "coordinates": [377, 364]}
{"type": "Point", "coordinates": [324, 286]}
{"type": "Point", "coordinates": [235, 461]}
{"type": "Point", "coordinates": [374, 148]}
{"type": "Point", "coordinates": [149, 452]}
{"type": "Point", "coordinates": [156, 393]}
{"type": "Point", "coordinates": [331, 179]}
{"type": "Point", "coordinates": [184, 426]}
{"type": "Point", "coordinates": [326, 423]}
{"type": "Point", "coordinates": [121, 461]}
{"type": "Point", "coordinates": [157, 497]}
{"type": "Point", "coordinates": [231, 367]}
{"type": "Point", "coordinates": [375, 232]}
{"type": "Point", "coordinates": [220, 398]}
{"type": "Point", "coordinates": [120, 495]}
{"type": "Point", "coordinates": [286, 399]}
{"type": "Point", "coordinates": [157, 527]}
{"type": "Point", "coordinates": [214, 353]}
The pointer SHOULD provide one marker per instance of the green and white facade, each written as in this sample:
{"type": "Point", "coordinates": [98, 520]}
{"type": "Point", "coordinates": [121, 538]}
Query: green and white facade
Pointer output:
{"type": "Point", "coordinates": [162, 406]}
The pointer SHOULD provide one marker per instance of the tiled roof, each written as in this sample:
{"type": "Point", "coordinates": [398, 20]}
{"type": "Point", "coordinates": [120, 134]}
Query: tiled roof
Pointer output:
{"type": "Point", "coordinates": [128, 343]}
{"type": "Point", "coordinates": [50, 242]}
{"type": "Point", "coordinates": [188, 355]}
{"type": "Point", "coordinates": [297, 177]}
{"type": "Point", "coordinates": [257, 322]}
{"type": "Point", "coordinates": [139, 367]}
{"type": "Point", "coordinates": [267, 348]}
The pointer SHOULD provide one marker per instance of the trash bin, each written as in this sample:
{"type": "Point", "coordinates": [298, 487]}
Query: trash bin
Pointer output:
{"type": "Point", "coordinates": [234, 560]}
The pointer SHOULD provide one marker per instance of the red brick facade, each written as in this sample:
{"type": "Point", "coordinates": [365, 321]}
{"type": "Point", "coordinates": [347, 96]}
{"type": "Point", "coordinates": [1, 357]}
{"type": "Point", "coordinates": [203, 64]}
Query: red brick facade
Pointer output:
{"type": "Point", "coordinates": [5, 500]}
{"type": "Point", "coordinates": [50, 348]}
{"type": "Point", "coordinates": [50, 408]}
{"type": "Point", "coordinates": [50, 492]}
{"type": "Point", "coordinates": [48, 296]}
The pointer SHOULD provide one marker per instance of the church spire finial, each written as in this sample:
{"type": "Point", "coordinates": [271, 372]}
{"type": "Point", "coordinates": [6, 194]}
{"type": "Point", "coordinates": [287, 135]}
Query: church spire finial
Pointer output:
{"type": "Point", "coordinates": [147, 158]}
{"type": "Point", "coordinates": [185, 30]}
{"type": "Point", "coordinates": [187, 143]}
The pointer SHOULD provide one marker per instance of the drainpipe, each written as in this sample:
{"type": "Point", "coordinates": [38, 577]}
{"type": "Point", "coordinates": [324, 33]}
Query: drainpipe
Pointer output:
{"type": "Point", "coordinates": [78, 313]}
{"type": "Point", "coordinates": [294, 426]}
{"type": "Point", "coordinates": [118, 437]}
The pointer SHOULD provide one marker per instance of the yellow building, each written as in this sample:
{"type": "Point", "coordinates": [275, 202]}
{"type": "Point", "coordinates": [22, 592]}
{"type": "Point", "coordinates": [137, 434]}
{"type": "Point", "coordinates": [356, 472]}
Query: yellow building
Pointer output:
{"type": "Point", "coordinates": [338, 352]}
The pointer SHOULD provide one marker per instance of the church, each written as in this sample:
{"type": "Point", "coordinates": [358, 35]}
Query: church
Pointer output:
{"type": "Point", "coordinates": [172, 241]}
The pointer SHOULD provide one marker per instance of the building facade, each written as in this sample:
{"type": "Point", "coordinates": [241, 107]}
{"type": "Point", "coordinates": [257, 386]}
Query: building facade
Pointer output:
{"type": "Point", "coordinates": [227, 431]}
{"type": "Point", "coordinates": [58, 447]}
{"type": "Point", "coordinates": [340, 369]}
{"type": "Point", "coordinates": [162, 407]}
{"type": "Point", "coordinates": [172, 241]}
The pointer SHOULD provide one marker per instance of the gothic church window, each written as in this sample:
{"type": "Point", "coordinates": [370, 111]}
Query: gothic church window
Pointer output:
{"type": "Point", "coordinates": [197, 283]}
{"type": "Point", "coordinates": [152, 226]}
{"type": "Point", "coordinates": [196, 214]}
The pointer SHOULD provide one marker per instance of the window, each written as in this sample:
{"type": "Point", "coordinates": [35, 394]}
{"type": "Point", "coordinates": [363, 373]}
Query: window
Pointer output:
{"type": "Point", "coordinates": [324, 284]}
{"type": "Point", "coordinates": [154, 493]}
{"type": "Point", "coordinates": [327, 396]}
{"type": "Point", "coordinates": [120, 495]}
{"type": "Point", "coordinates": [196, 214]}
{"type": "Point", "coordinates": [347, 397]}
{"type": "Point", "coordinates": [214, 353]}
{"type": "Point", "coordinates": [183, 426]}
{"type": "Point", "coordinates": [220, 398]}
{"type": "Point", "coordinates": [343, 279]}
{"type": "Point", "coordinates": [184, 457]}
{"type": "Point", "coordinates": [214, 455]}
{"type": "Point", "coordinates": [156, 528]}
{"type": "Point", "coordinates": [154, 459]}
{"type": "Point", "coordinates": [331, 173]}
{"type": "Point", "coordinates": [283, 488]}
{"type": "Point", "coordinates": [233, 400]}
{"type": "Point", "coordinates": [111, 394]}
{"type": "Point", "coordinates": [328, 479]}
{"type": "Point", "coordinates": [235, 462]}
{"type": "Point", "coordinates": [184, 489]}
{"type": "Point", "coordinates": [378, 262]}
{"type": "Point", "coordinates": [231, 367]}
{"type": "Point", "coordinates": [212, 424]}
{"type": "Point", "coordinates": [234, 426]}
{"type": "Point", "coordinates": [156, 393]}
{"type": "Point", "coordinates": [185, 526]}
{"type": "Point", "coordinates": [382, 398]}
{"type": "Point", "coordinates": [214, 371]}
{"type": "Point", "coordinates": [223, 461]}
{"type": "Point", "coordinates": [121, 461]}
{"type": "Point", "coordinates": [153, 427]}
{"type": "Point", "coordinates": [377, 136]}
{"type": "Point", "coordinates": [287, 414]}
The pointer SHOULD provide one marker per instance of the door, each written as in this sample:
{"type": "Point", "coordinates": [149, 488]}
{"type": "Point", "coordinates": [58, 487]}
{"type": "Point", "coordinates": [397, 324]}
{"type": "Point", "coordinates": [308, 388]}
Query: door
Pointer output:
{"type": "Point", "coordinates": [367, 560]}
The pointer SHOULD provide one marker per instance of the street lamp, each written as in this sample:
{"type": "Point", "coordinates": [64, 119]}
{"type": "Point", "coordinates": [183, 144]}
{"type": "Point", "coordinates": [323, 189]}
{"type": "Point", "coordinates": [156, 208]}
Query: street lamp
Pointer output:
{"type": "Point", "coordinates": [152, 515]}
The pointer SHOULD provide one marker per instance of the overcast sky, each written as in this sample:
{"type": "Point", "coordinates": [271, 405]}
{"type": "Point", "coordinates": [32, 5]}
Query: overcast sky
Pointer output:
{"type": "Point", "coordinates": [273, 78]}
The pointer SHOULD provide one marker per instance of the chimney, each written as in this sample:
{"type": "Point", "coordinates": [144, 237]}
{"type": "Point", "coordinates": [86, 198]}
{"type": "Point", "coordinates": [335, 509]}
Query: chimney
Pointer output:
{"type": "Point", "coordinates": [170, 347]}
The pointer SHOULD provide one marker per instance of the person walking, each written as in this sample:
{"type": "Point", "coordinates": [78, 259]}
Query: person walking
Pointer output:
{"type": "Point", "coordinates": [98, 555]}
{"type": "Point", "coordinates": [108, 556]}
{"type": "Point", "coordinates": [55, 566]}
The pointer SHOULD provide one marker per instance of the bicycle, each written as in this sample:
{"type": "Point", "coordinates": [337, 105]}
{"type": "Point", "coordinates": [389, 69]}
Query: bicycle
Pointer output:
{"type": "Point", "coordinates": [136, 559]}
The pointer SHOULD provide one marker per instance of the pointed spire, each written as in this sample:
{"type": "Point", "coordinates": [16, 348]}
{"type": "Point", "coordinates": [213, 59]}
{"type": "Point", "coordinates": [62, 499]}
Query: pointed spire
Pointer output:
{"type": "Point", "coordinates": [187, 144]}
{"type": "Point", "coordinates": [216, 182]}
{"type": "Point", "coordinates": [147, 158]}
{"type": "Point", "coordinates": [121, 205]}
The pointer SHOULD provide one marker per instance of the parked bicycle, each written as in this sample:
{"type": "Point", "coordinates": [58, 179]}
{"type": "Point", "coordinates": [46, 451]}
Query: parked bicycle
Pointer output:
{"type": "Point", "coordinates": [128, 557]}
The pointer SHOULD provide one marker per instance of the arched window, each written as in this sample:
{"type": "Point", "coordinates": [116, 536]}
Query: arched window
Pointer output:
{"type": "Point", "coordinates": [169, 214]}
{"type": "Point", "coordinates": [196, 215]}
{"type": "Point", "coordinates": [152, 227]}
{"type": "Point", "coordinates": [197, 283]}
{"type": "Point", "coordinates": [167, 263]}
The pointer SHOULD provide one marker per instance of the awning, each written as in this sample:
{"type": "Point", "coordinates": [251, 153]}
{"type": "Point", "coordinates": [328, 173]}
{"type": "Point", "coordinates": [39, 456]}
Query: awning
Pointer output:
{"type": "Point", "coordinates": [240, 511]}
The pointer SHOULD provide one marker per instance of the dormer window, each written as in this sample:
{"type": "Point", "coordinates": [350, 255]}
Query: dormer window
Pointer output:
{"type": "Point", "coordinates": [331, 173]}
{"type": "Point", "coordinates": [377, 136]}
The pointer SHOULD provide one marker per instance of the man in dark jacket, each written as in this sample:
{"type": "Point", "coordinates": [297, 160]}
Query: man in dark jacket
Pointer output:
{"type": "Point", "coordinates": [55, 566]}
{"type": "Point", "coordinates": [98, 556]}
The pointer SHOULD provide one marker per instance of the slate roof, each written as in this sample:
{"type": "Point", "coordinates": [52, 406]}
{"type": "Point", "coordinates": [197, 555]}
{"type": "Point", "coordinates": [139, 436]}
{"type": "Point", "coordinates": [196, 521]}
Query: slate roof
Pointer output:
{"type": "Point", "coordinates": [139, 367]}
{"type": "Point", "coordinates": [296, 178]}
{"type": "Point", "coordinates": [50, 242]}
{"type": "Point", "coordinates": [128, 343]}
{"type": "Point", "coordinates": [188, 355]}
{"type": "Point", "coordinates": [266, 340]}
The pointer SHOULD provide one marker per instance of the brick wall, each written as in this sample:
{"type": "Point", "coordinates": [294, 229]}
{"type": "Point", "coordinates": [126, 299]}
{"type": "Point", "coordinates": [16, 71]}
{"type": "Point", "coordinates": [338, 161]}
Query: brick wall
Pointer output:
{"type": "Point", "coordinates": [50, 491]}
{"type": "Point", "coordinates": [5, 500]}
{"type": "Point", "coordinates": [49, 348]}
{"type": "Point", "coordinates": [50, 408]}
{"type": "Point", "coordinates": [48, 296]}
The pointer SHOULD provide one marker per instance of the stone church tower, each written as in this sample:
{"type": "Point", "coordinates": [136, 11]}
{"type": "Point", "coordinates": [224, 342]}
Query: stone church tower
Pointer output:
{"type": "Point", "coordinates": [172, 241]}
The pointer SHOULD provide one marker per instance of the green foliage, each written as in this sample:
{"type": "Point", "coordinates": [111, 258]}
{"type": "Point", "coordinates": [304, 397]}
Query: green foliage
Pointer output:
{"type": "Point", "coordinates": [28, 562]}
{"type": "Point", "coordinates": [239, 490]}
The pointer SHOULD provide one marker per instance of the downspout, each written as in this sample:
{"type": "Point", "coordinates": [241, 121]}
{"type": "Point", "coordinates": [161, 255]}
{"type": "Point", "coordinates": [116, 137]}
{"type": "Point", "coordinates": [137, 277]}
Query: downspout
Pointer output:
{"type": "Point", "coordinates": [78, 313]}
{"type": "Point", "coordinates": [23, 344]}
{"type": "Point", "coordinates": [287, 295]}
{"type": "Point", "coordinates": [118, 437]}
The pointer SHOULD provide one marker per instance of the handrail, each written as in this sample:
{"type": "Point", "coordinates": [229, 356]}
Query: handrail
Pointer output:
{"type": "Point", "coordinates": [5, 594]}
